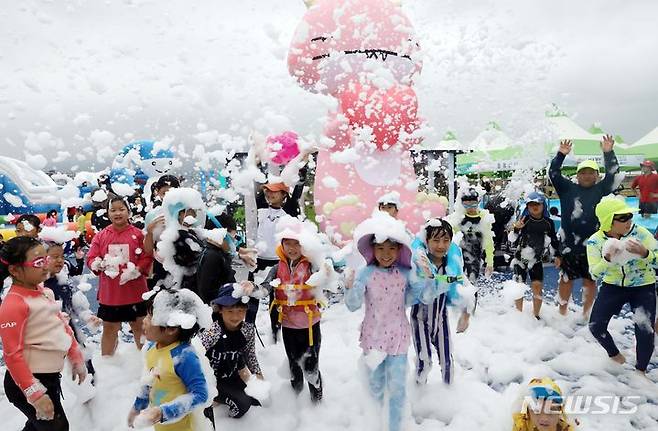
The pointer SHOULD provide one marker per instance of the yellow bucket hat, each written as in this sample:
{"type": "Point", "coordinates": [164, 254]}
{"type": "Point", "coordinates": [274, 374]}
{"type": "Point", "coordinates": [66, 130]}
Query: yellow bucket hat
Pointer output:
{"type": "Point", "coordinates": [591, 164]}
{"type": "Point", "coordinates": [608, 208]}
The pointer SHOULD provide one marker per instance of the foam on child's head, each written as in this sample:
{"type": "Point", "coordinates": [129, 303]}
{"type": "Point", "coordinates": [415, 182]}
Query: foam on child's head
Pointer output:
{"type": "Point", "coordinates": [179, 308]}
{"type": "Point", "coordinates": [436, 228]}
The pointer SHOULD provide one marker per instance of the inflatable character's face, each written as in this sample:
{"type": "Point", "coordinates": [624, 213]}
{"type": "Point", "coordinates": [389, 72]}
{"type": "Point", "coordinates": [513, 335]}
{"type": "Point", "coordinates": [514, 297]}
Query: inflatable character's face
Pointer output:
{"type": "Point", "coordinates": [341, 41]}
{"type": "Point", "coordinates": [154, 168]}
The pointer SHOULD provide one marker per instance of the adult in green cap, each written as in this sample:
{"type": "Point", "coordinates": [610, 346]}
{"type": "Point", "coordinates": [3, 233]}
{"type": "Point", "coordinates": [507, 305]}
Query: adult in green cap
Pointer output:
{"type": "Point", "coordinates": [623, 256]}
{"type": "Point", "coordinates": [578, 200]}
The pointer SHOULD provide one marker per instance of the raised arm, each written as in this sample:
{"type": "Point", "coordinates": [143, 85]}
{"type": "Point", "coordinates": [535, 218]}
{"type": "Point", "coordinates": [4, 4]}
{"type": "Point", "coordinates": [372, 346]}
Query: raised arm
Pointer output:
{"type": "Point", "coordinates": [560, 183]}
{"type": "Point", "coordinates": [611, 164]}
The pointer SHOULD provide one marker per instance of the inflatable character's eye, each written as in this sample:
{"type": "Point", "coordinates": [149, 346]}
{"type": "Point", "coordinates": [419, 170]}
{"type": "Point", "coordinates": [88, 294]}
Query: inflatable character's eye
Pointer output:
{"type": "Point", "coordinates": [322, 38]}
{"type": "Point", "coordinates": [153, 163]}
{"type": "Point", "coordinates": [171, 162]}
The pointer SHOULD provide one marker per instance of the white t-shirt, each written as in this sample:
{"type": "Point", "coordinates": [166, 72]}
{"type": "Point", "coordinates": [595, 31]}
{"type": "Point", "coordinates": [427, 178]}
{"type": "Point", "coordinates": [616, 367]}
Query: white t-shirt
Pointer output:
{"type": "Point", "coordinates": [266, 233]}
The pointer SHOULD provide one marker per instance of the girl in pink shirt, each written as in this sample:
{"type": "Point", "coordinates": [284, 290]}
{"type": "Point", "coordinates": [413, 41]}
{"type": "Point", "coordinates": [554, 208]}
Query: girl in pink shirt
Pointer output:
{"type": "Point", "coordinates": [117, 256]}
{"type": "Point", "coordinates": [36, 338]}
{"type": "Point", "coordinates": [51, 219]}
{"type": "Point", "coordinates": [386, 287]}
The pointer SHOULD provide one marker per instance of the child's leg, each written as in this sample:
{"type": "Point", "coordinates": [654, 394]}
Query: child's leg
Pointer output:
{"type": "Point", "coordinates": [643, 304]}
{"type": "Point", "coordinates": [110, 337]}
{"type": "Point", "coordinates": [537, 284]}
{"type": "Point", "coordinates": [377, 381]}
{"type": "Point", "coordinates": [311, 365]}
{"type": "Point", "coordinates": [15, 396]}
{"type": "Point", "coordinates": [537, 296]}
{"type": "Point", "coordinates": [441, 338]}
{"type": "Point", "coordinates": [136, 327]}
{"type": "Point", "coordinates": [589, 295]}
{"type": "Point", "coordinates": [396, 379]}
{"type": "Point", "coordinates": [520, 274]}
{"type": "Point", "coordinates": [609, 302]}
{"type": "Point", "coordinates": [420, 333]}
{"type": "Point", "coordinates": [295, 346]}
{"type": "Point", "coordinates": [232, 394]}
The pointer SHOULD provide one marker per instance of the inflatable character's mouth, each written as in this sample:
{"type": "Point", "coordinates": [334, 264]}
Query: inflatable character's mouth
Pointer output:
{"type": "Point", "coordinates": [161, 172]}
{"type": "Point", "coordinates": [376, 54]}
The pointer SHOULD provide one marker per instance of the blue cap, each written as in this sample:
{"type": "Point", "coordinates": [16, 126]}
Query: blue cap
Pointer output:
{"type": "Point", "coordinates": [225, 296]}
{"type": "Point", "coordinates": [536, 197]}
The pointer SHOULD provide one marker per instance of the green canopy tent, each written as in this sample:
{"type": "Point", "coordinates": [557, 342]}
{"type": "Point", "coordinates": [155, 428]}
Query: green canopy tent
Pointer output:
{"type": "Point", "coordinates": [646, 147]}
{"type": "Point", "coordinates": [586, 145]}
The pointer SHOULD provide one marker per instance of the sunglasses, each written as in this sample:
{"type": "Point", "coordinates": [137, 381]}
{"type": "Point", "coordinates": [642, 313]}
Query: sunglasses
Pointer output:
{"type": "Point", "coordinates": [474, 205]}
{"type": "Point", "coordinates": [623, 218]}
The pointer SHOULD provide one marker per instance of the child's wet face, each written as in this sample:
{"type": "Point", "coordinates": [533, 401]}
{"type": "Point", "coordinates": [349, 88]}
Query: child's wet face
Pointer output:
{"type": "Point", "coordinates": [292, 249]}
{"type": "Point", "coordinates": [25, 228]}
{"type": "Point", "coordinates": [439, 244]}
{"type": "Point", "coordinates": [56, 254]}
{"type": "Point", "coordinates": [233, 316]}
{"type": "Point", "coordinates": [151, 332]}
{"type": "Point", "coordinates": [471, 207]}
{"type": "Point", "coordinates": [386, 253]}
{"type": "Point", "coordinates": [162, 191]}
{"type": "Point", "coordinates": [118, 213]}
{"type": "Point", "coordinates": [390, 209]}
{"type": "Point", "coordinates": [185, 213]}
{"type": "Point", "coordinates": [545, 418]}
{"type": "Point", "coordinates": [158, 334]}
{"type": "Point", "coordinates": [535, 209]}
{"type": "Point", "coordinates": [275, 199]}
{"type": "Point", "coordinates": [621, 228]}
{"type": "Point", "coordinates": [29, 275]}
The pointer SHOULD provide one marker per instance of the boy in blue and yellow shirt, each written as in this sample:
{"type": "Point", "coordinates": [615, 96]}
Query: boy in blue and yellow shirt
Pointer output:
{"type": "Point", "coordinates": [177, 384]}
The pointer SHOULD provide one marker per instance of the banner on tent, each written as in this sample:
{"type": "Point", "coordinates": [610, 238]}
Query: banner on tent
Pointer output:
{"type": "Point", "coordinates": [624, 160]}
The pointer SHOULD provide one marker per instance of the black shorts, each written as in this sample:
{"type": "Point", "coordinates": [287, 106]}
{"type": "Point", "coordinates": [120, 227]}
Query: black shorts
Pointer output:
{"type": "Point", "coordinates": [575, 266]}
{"type": "Point", "coordinates": [648, 207]}
{"type": "Point", "coordinates": [536, 272]}
{"type": "Point", "coordinates": [122, 313]}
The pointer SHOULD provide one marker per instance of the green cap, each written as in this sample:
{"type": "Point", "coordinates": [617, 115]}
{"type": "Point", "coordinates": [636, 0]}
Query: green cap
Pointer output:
{"type": "Point", "coordinates": [608, 208]}
{"type": "Point", "coordinates": [587, 164]}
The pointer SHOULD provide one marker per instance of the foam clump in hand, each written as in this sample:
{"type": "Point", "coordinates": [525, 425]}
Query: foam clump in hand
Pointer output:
{"type": "Point", "coordinates": [616, 251]}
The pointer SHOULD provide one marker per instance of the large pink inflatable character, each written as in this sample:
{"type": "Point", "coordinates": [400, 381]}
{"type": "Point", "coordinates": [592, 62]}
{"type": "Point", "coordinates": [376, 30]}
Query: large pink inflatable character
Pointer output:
{"type": "Point", "coordinates": [363, 53]}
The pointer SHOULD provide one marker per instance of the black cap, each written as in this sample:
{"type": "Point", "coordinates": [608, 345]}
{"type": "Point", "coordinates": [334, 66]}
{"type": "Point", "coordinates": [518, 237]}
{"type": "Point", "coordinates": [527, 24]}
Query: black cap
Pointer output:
{"type": "Point", "coordinates": [167, 180]}
{"type": "Point", "coordinates": [471, 195]}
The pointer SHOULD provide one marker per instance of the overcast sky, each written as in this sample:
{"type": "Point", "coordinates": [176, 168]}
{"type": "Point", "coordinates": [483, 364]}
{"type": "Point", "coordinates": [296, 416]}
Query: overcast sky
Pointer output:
{"type": "Point", "coordinates": [152, 69]}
